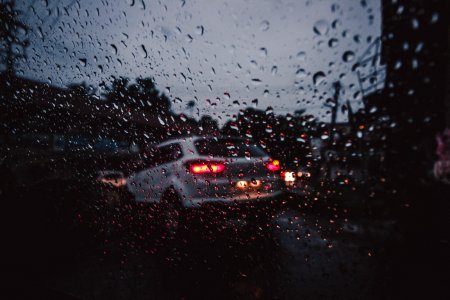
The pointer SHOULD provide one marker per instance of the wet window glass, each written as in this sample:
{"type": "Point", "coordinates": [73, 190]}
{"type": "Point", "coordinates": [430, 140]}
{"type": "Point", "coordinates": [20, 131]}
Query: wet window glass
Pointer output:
{"type": "Point", "coordinates": [162, 155]}
{"type": "Point", "coordinates": [227, 148]}
{"type": "Point", "coordinates": [255, 149]}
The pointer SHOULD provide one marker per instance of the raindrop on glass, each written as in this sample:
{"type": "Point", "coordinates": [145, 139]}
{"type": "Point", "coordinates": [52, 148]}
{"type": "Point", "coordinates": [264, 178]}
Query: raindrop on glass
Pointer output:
{"type": "Point", "coordinates": [321, 27]}
{"type": "Point", "coordinates": [301, 73]}
{"type": "Point", "coordinates": [263, 52]}
{"type": "Point", "coordinates": [274, 70]}
{"type": "Point", "coordinates": [301, 56]}
{"type": "Point", "coordinates": [114, 49]}
{"type": "Point", "coordinates": [264, 26]}
{"type": "Point", "coordinates": [318, 77]}
{"type": "Point", "coordinates": [332, 43]}
{"type": "Point", "coordinates": [256, 81]}
{"type": "Point", "coordinates": [199, 30]}
{"type": "Point", "coordinates": [143, 51]}
{"type": "Point", "coordinates": [348, 56]}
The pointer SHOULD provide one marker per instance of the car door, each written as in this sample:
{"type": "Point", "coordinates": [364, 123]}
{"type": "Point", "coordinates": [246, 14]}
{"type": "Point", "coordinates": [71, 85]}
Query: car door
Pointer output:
{"type": "Point", "coordinates": [149, 184]}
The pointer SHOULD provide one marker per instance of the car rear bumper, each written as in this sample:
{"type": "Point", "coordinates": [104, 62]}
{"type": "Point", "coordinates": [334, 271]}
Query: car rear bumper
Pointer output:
{"type": "Point", "coordinates": [247, 199]}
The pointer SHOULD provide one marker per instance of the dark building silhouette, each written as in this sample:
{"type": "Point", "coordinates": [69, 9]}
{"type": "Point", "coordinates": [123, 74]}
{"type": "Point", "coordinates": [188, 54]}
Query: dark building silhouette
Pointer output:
{"type": "Point", "coordinates": [415, 49]}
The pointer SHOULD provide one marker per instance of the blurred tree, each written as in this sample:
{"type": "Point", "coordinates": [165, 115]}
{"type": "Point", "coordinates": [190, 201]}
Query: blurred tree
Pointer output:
{"type": "Point", "coordinates": [12, 32]}
{"type": "Point", "coordinates": [117, 92]}
{"type": "Point", "coordinates": [141, 95]}
{"type": "Point", "coordinates": [190, 106]}
{"type": "Point", "coordinates": [208, 126]}
{"type": "Point", "coordinates": [149, 97]}
{"type": "Point", "coordinates": [81, 90]}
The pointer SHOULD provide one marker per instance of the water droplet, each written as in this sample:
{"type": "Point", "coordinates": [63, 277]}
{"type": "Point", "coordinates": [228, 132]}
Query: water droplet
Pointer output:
{"type": "Point", "coordinates": [301, 73]}
{"type": "Point", "coordinates": [335, 7]}
{"type": "Point", "coordinates": [419, 47]}
{"type": "Point", "coordinates": [199, 30]}
{"type": "Point", "coordinates": [83, 62]}
{"type": "Point", "coordinates": [263, 52]}
{"type": "Point", "coordinates": [247, 156]}
{"type": "Point", "coordinates": [274, 70]}
{"type": "Point", "coordinates": [301, 56]}
{"type": "Point", "coordinates": [335, 24]}
{"type": "Point", "coordinates": [415, 23]}
{"type": "Point", "coordinates": [348, 56]}
{"type": "Point", "coordinates": [434, 18]}
{"type": "Point", "coordinates": [332, 43]}
{"type": "Point", "coordinates": [356, 67]}
{"type": "Point", "coordinates": [114, 49]}
{"type": "Point", "coordinates": [255, 102]}
{"type": "Point", "coordinates": [256, 81]}
{"type": "Point", "coordinates": [142, 6]}
{"type": "Point", "coordinates": [318, 77]}
{"type": "Point", "coordinates": [143, 51]}
{"type": "Point", "coordinates": [264, 26]}
{"type": "Point", "coordinates": [321, 27]}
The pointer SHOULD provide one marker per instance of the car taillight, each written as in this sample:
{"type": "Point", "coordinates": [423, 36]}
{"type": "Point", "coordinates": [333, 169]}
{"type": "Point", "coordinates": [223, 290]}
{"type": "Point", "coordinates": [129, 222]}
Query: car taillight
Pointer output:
{"type": "Point", "coordinates": [273, 165]}
{"type": "Point", "coordinates": [202, 168]}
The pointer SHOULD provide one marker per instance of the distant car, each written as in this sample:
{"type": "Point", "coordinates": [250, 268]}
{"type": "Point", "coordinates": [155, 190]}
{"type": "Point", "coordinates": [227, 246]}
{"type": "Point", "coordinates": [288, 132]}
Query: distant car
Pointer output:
{"type": "Point", "coordinates": [187, 173]}
{"type": "Point", "coordinates": [298, 180]}
{"type": "Point", "coordinates": [300, 175]}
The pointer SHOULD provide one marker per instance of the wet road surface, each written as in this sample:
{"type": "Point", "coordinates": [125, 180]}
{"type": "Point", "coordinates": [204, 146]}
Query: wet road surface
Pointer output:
{"type": "Point", "coordinates": [299, 255]}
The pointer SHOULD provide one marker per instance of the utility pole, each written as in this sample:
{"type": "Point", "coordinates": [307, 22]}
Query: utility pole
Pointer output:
{"type": "Point", "coordinates": [332, 103]}
{"type": "Point", "coordinates": [350, 117]}
{"type": "Point", "coordinates": [334, 108]}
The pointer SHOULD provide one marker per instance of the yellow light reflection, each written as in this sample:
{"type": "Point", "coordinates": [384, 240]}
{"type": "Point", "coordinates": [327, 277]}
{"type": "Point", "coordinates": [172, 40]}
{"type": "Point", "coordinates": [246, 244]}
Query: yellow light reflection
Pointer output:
{"type": "Point", "coordinates": [241, 184]}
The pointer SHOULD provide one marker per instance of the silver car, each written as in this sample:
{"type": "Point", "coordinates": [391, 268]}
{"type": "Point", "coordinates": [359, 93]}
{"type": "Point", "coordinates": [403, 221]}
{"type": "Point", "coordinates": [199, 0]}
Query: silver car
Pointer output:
{"type": "Point", "coordinates": [193, 172]}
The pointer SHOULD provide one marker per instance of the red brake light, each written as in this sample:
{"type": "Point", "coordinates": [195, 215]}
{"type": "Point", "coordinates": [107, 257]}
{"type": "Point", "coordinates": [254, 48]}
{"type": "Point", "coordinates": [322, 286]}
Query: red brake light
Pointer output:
{"type": "Point", "coordinates": [201, 168]}
{"type": "Point", "coordinates": [273, 165]}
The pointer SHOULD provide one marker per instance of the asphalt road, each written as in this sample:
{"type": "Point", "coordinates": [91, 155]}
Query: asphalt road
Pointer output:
{"type": "Point", "coordinates": [300, 255]}
{"type": "Point", "coordinates": [313, 251]}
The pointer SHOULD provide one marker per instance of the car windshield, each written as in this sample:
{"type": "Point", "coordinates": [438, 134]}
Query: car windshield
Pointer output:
{"type": "Point", "coordinates": [228, 148]}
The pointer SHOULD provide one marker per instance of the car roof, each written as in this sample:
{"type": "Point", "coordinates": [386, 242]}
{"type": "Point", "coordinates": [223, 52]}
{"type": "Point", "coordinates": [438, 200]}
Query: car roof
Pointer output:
{"type": "Point", "coordinates": [193, 138]}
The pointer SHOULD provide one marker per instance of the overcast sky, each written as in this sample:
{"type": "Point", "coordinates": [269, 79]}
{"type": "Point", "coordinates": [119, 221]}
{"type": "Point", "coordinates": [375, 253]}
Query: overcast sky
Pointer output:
{"type": "Point", "coordinates": [222, 54]}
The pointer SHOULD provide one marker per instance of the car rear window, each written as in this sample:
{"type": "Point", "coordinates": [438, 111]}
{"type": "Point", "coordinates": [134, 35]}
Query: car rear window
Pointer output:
{"type": "Point", "coordinates": [228, 148]}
